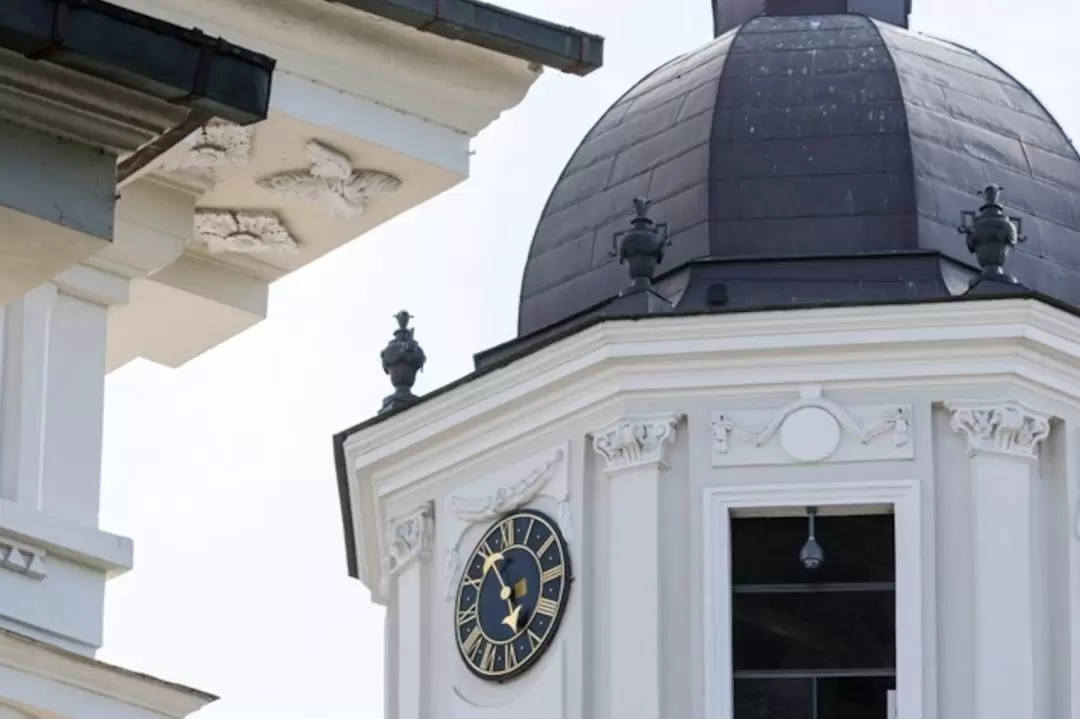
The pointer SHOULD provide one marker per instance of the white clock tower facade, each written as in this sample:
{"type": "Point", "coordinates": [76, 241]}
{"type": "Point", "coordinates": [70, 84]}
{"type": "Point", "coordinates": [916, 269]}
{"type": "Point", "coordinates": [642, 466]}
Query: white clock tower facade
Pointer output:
{"type": "Point", "coordinates": [807, 421]}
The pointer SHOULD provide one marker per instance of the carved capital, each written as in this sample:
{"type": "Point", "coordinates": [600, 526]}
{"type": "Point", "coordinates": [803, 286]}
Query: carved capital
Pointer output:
{"type": "Point", "coordinates": [409, 538]}
{"type": "Point", "coordinates": [636, 441]}
{"type": "Point", "coordinates": [999, 427]}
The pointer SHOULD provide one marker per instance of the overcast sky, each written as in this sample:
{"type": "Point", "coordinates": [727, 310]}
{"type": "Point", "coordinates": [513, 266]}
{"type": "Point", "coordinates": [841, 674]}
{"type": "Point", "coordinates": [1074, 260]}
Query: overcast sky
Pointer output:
{"type": "Point", "coordinates": [222, 470]}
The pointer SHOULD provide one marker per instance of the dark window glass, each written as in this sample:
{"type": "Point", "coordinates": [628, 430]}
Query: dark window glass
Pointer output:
{"type": "Point", "coordinates": [813, 644]}
{"type": "Point", "coordinates": [814, 630]}
{"type": "Point", "coordinates": [853, 697]}
{"type": "Point", "coordinates": [858, 548]}
{"type": "Point", "coordinates": [774, 698]}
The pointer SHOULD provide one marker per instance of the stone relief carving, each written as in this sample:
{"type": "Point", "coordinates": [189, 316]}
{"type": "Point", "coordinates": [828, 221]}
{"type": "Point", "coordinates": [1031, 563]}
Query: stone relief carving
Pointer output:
{"type": "Point", "coordinates": [486, 508]}
{"type": "Point", "coordinates": [333, 181]}
{"type": "Point", "coordinates": [1001, 427]}
{"type": "Point", "coordinates": [21, 559]}
{"type": "Point", "coordinates": [216, 144]}
{"type": "Point", "coordinates": [243, 232]}
{"type": "Point", "coordinates": [636, 441]}
{"type": "Point", "coordinates": [408, 538]}
{"type": "Point", "coordinates": [812, 429]}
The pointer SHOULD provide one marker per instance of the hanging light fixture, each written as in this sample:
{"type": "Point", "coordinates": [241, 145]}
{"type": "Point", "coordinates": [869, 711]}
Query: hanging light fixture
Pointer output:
{"type": "Point", "coordinates": [811, 555]}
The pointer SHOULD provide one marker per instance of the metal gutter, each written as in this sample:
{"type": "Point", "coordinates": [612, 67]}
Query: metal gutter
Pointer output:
{"type": "Point", "coordinates": [174, 64]}
{"type": "Point", "coordinates": [494, 28]}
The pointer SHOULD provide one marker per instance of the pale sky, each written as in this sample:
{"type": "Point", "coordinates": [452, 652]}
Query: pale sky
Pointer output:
{"type": "Point", "coordinates": [222, 471]}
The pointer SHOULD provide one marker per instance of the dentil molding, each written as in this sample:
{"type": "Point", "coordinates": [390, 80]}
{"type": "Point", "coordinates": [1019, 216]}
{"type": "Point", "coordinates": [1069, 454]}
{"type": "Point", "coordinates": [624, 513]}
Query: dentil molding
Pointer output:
{"type": "Point", "coordinates": [1004, 427]}
{"type": "Point", "coordinates": [636, 441]}
{"type": "Point", "coordinates": [216, 144]}
{"type": "Point", "coordinates": [332, 181]}
{"type": "Point", "coordinates": [811, 429]}
{"type": "Point", "coordinates": [243, 232]}
{"type": "Point", "coordinates": [21, 559]}
{"type": "Point", "coordinates": [409, 537]}
{"type": "Point", "coordinates": [507, 498]}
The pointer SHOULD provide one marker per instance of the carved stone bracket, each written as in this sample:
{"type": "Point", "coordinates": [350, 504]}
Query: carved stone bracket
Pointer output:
{"type": "Point", "coordinates": [21, 559]}
{"type": "Point", "coordinates": [812, 429]}
{"type": "Point", "coordinates": [636, 441]}
{"type": "Point", "coordinates": [243, 232]}
{"type": "Point", "coordinates": [1000, 427]}
{"type": "Point", "coordinates": [471, 510]}
{"type": "Point", "coordinates": [409, 538]}
{"type": "Point", "coordinates": [332, 181]}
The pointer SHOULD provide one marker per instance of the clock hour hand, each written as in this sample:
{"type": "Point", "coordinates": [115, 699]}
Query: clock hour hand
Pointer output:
{"type": "Point", "coordinates": [491, 564]}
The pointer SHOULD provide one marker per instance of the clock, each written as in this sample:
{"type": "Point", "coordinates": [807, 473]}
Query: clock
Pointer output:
{"type": "Point", "coordinates": [512, 595]}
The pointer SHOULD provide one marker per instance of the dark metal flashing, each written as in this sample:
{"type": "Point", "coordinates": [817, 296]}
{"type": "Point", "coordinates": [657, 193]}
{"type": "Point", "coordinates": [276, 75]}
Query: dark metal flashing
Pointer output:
{"type": "Point", "coordinates": [983, 292]}
{"type": "Point", "coordinates": [174, 64]}
{"type": "Point", "coordinates": [494, 28]}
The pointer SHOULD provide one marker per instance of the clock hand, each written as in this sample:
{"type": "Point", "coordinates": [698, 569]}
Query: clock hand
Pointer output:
{"type": "Point", "coordinates": [491, 563]}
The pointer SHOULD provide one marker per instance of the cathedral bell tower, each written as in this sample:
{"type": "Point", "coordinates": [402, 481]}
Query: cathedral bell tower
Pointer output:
{"type": "Point", "coordinates": [790, 424]}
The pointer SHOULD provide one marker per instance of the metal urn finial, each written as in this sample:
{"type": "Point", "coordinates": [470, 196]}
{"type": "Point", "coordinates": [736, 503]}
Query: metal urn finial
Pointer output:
{"type": "Point", "coordinates": [991, 236]}
{"type": "Point", "coordinates": [641, 247]}
{"type": "Point", "coordinates": [402, 359]}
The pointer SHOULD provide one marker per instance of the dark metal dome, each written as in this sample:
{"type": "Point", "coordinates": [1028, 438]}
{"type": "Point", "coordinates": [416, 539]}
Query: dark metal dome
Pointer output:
{"type": "Point", "coordinates": [808, 159]}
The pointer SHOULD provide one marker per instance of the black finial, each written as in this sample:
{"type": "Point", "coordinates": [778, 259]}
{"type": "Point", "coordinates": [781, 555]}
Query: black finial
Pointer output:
{"type": "Point", "coordinates": [402, 359]}
{"type": "Point", "coordinates": [991, 236]}
{"type": "Point", "coordinates": [641, 247]}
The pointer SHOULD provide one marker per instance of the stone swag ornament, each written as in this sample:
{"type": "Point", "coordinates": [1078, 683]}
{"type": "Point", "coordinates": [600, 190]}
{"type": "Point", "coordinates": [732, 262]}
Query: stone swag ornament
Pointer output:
{"type": "Point", "coordinates": [991, 236]}
{"type": "Point", "coordinates": [402, 359]}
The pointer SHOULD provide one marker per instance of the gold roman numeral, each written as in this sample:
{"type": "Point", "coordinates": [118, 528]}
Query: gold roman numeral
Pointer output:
{"type": "Point", "coordinates": [466, 616]}
{"type": "Point", "coordinates": [534, 640]}
{"type": "Point", "coordinates": [506, 532]}
{"type": "Point", "coordinates": [546, 545]}
{"type": "Point", "coordinates": [528, 531]}
{"type": "Point", "coordinates": [552, 574]}
{"type": "Point", "coordinates": [546, 606]}
{"type": "Point", "coordinates": [472, 642]}
{"type": "Point", "coordinates": [473, 582]}
{"type": "Point", "coordinates": [511, 658]}
{"type": "Point", "coordinates": [487, 659]}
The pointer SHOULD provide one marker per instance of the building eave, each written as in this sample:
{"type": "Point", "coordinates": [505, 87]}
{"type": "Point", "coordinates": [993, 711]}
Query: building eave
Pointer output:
{"type": "Point", "coordinates": [494, 28]}
{"type": "Point", "coordinates": [158, 59]}
{"type": "Point", "coordinates": [951, 343]}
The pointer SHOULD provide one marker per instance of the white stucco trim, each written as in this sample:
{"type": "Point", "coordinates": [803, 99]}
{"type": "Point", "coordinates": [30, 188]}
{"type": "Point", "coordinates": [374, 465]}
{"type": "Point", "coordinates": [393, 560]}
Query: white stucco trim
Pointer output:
{"type": "Point", "coordinates": [914, 563]}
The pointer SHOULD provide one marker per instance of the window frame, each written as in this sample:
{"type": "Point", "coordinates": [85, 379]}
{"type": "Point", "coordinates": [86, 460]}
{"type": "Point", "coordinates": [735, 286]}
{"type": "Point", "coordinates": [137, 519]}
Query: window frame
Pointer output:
{"type": "Point", "coordinates": [914, 576]}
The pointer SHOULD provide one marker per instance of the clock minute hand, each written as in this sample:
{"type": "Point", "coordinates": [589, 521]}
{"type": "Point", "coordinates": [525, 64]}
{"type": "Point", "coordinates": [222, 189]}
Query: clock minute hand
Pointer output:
{"type": "Point", "coordinates": [491, 563]}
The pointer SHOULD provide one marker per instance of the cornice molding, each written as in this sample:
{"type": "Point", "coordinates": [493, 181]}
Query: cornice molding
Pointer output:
{"type": "Point", "coordinates": [917, 342]}
{"type": "Point", "coordinates": [42, 660]}
{"type": "Point", "coordinates": [1002, 427]}
{"type": "Point", "coordinates": [638, 441]}
{"type": "Point", "coordinates": [410, 537]}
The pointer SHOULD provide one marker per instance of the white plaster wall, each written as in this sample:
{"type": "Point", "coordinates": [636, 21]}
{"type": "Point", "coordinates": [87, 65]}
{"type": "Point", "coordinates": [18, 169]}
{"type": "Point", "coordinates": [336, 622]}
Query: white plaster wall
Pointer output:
{"type": "Point", "coordinates": [578, 679]}
{"type": "Point", "coordinates": [574, 680]}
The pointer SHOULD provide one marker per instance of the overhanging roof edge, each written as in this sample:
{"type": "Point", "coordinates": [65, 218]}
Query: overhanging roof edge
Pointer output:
{"type": "Point", "coordinates": [494, 28]}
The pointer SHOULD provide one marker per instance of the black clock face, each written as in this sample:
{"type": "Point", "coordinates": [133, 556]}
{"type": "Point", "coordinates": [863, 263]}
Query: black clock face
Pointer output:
{"type": "Point", "coordinates": [512, 595]}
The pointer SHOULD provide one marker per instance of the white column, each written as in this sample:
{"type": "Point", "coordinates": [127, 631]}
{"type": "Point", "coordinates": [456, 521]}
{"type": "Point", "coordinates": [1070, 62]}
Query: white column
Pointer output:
{"type": "Point", "coordinates": [1003, 441]}
{"type": "Point", "coordinates": [634, 451]}
{"type": "Point", "coordinates": [53, 559]}
{"type": "Point", "coordinates": [409, 543]}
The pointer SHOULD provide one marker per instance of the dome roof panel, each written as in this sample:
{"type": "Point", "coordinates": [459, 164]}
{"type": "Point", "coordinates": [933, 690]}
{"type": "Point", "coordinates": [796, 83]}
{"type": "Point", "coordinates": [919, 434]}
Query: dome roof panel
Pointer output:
{"type": "Point", "coordinates": [808, 137]}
